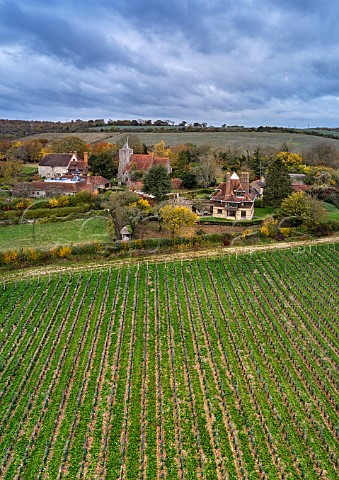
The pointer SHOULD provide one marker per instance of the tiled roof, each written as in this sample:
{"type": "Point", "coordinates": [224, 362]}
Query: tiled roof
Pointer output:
{"type": "Point", "coordinates": [235, 186]}
{"type": "Point", "coordinates": [77, 165]}
{"type": "Point", "coordinates": [56, 160]}
{"type": "Point", "coordinates": [97, 180]}
{"type": "Point", "coordinates": [52, 187]}
{"type": "Point", "coordinates": [300, 187]}
{"type": "Point", "coordinates": [145, 162]}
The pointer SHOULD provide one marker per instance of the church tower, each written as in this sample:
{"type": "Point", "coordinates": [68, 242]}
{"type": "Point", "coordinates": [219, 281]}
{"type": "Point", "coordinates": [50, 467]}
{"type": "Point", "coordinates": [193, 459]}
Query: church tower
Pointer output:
{"type": "Point", "coordinates": [125, 154]}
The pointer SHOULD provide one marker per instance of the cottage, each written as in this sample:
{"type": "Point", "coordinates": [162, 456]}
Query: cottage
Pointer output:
{"type": "Point", "coordinates": [130, 162]}
{"type": "Point", "coordinates": [55, 165]}
{"type": "Point", "coordinates": [233, 199]}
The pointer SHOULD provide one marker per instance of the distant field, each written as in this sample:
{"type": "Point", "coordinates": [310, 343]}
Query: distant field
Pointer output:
{"type": "Point", "coordinates": [50, 234]}
{"type": "Point", "coordinates": [91, 137]}
{"type": "Point", "coordinates": [244, 140]}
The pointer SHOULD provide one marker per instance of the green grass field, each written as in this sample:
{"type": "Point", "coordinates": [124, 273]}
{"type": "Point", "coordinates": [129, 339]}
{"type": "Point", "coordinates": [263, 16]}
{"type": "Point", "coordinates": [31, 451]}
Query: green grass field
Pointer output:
{"type": "Point", "coordinates": [29, 169]}
{"type": "Point", "coordinates": [333, 211]}
{"type": "Point", "coordinates": [225, 368]}
{"type": "Point", "coordinates": [243, 140]}
{"type": "Point", "coordinates": [50, 234]}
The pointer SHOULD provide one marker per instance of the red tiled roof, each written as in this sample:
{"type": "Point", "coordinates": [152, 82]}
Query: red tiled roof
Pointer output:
{"type": "Point", "coordinates": [298, 187]}
{"type": "Point", "coordinates": [235, 186]}
{"type": "Point", "coordinates": [145, 162]}
{"type": "Point", "coordinates": [97, 180]}
{"type": "Point", "coordinates": [51, 187]}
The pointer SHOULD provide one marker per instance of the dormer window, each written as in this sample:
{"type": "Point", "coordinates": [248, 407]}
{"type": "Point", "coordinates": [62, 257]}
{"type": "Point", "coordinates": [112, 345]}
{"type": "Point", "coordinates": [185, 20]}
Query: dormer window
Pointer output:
{"type": "Point", "coordinates": [240, 194]}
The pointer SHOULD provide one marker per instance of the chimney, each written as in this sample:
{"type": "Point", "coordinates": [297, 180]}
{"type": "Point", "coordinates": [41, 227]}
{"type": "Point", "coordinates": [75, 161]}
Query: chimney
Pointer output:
{"type": "Point", "coordinates": [245, 181]}
{"type": "Point", "coordinates": [228, 183]}
{"type": "Point", "coordinates": [86, 160]}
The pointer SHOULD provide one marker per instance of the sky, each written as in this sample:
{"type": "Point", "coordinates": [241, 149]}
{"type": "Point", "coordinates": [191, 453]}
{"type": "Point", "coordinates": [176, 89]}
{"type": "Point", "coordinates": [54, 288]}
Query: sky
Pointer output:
{"type": "Point", "coordinates": [233, 62]}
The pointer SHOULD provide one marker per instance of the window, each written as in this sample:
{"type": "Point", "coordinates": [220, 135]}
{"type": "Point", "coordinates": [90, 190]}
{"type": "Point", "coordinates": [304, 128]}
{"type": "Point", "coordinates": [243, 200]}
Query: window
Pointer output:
{"type": "Point", "coordinates": [219, 211]}
{"type": "Point", "coordinates": [243, 214]}
{"type": "Point", "coordinates": [230, 213]}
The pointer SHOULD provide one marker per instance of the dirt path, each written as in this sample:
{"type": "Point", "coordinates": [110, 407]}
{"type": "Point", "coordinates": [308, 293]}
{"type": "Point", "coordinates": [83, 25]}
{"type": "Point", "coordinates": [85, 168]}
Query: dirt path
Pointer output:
{"type": "Point", "coordinates": [162, 257]}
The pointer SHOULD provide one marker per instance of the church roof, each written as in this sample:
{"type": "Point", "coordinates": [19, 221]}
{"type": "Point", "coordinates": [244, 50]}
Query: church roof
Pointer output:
{"type": "Point", "coordinates": [145, 162]}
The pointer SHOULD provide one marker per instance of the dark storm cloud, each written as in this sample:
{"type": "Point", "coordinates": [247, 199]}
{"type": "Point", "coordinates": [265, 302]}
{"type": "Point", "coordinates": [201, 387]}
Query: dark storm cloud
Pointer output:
{"type": "Point", "coordinates": [217, 61]}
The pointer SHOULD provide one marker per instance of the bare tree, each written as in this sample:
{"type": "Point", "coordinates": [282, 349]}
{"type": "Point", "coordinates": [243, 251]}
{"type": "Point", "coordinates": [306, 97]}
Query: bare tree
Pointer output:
{"type": "Point", "coordinates": [206, 170]}
{"type": "Point", "coordinates": [322, 153]}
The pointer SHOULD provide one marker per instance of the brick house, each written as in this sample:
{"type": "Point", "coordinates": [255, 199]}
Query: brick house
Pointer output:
{"type": "Point", "coordinates": [234, 199]}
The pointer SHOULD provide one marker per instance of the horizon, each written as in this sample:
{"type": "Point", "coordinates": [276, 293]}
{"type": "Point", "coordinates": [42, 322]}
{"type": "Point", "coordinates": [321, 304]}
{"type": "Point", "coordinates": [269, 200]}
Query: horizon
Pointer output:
{"type": "Point", "coordinates": [175, 124]}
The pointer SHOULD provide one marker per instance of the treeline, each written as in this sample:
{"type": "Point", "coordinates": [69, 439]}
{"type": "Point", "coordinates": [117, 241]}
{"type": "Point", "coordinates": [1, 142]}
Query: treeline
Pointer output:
{"type": "Point", "coordinates": [11, 129]}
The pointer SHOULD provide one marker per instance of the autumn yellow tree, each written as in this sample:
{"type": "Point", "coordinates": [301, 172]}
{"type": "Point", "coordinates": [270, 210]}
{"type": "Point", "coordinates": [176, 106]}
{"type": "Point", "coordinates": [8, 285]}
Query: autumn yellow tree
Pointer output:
{"type": "Point", "coordinates": [174, 218]}
{"type": "Point", "coordinates": [291, 160]}
{"type": "Point", "coordinates": [160, 149]}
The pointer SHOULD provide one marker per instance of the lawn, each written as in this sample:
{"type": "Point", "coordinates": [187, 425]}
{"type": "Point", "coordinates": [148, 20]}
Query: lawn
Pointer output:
{"type": "Point", "coordinates": [29, 168]}
{"type": "Point", "coordinates": [51, 234]}
{"type": "Point", "coordinates": [333, 211]}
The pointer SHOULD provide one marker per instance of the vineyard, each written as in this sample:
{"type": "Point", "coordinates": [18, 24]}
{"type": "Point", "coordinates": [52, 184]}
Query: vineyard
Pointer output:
{"type": "Point", "coordinates": [225, 368]}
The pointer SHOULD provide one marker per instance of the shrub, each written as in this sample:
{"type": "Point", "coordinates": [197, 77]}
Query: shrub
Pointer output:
{"type": "Point", "coordinates": [10, 258]}
{"type": "Point", "coordinates": [269, 227]}
{"type": "Point", "coordinates": [286, 231]}
{"type": "Point", "coordinates": [64, 252]}
{"type": "Point", "coordinates": [30, 255]}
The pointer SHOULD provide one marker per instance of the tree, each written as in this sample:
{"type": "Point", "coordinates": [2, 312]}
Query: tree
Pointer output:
{"type": "Point", "coordinates": [291, 160]}
{"type": "Point", "coordinates": [134, 142]}
{"type": "Point", "coordinates": [174, 218]}
{"type": "Point", "coordinates": [322, 153]}
{"type": "Point", "coordinates": [188, 180]}
{"type": "Point", "coordinates": [160, 149]}
{"type": "Point", "coordinates": [206, 170]}
{"type": "Point", "coordinates": [104, 163]}
{"type": "Point", "coordinates": [123, 210]}
{"type": "Point", "coordinates": [10, 170]}
{"type": "Point", "coordinates": [295, 208]}
{"type": "Point", "coordinates": [69, 144]}
{"type": "Point", "coordinates": [277, 184]}
{"type": "Point", "coordinates": [157, 182]}
{"type": "Point", "coordinates": [180, 161]}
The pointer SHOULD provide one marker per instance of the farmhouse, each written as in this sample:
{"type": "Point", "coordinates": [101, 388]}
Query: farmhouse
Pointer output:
{"type": "Point", "coordinates": [130, 162]}
{"type": "Point", "coordinates": [54, 165]}
{"type": "Point", "coordinates": [234, 199]}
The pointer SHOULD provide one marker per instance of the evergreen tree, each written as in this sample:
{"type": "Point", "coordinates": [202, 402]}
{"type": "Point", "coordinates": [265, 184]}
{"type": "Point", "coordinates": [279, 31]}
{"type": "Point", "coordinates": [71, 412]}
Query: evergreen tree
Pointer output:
{"type": "Point", "coordinates": [157, 182]}
{"type": "Point", "coordinates": [277, 183]}
{"type": "Point", "coordinates": [103, 163]}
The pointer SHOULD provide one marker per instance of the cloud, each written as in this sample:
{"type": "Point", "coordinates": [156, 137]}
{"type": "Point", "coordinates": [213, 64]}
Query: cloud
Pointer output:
{"type": "Point", "coordinates": [219, 61]}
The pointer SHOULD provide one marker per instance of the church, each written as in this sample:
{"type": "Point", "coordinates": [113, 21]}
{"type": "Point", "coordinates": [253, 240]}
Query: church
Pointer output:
{"type": "Point", "coordinates": [129, 162]}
